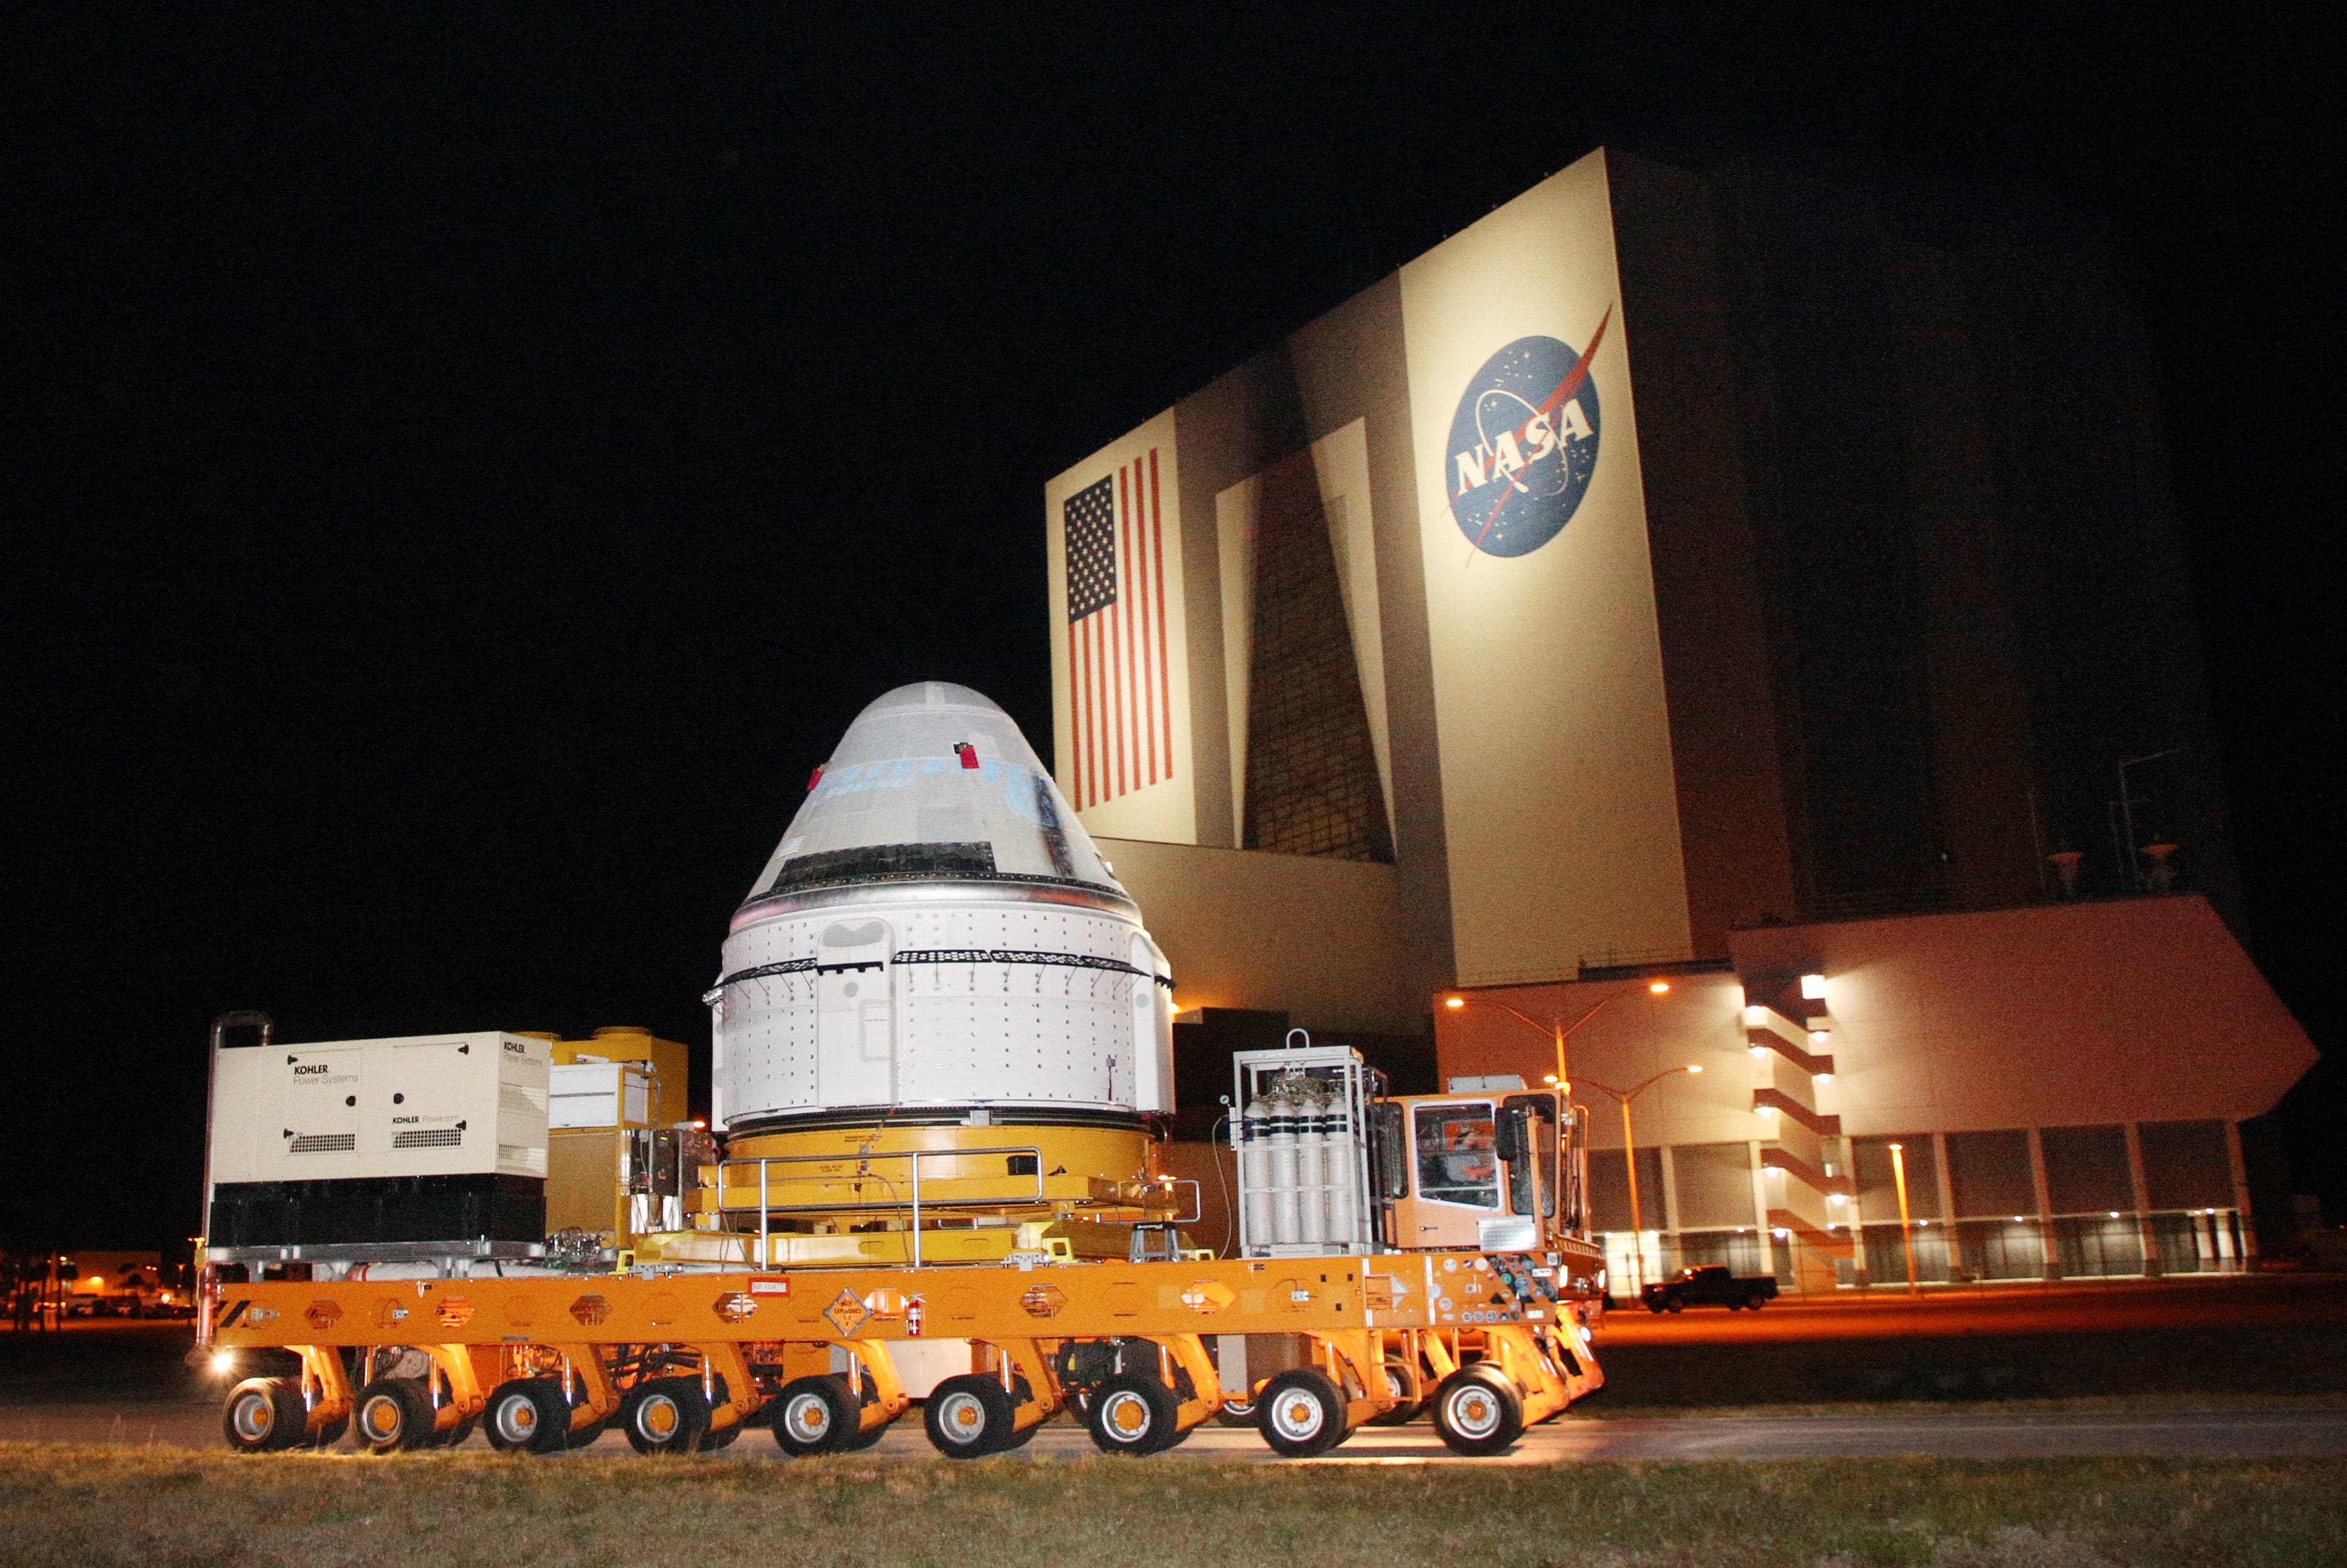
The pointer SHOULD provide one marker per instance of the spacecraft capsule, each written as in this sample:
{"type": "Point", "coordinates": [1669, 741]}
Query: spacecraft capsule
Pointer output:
{"type": "Point", "coordinates": [938, 942]}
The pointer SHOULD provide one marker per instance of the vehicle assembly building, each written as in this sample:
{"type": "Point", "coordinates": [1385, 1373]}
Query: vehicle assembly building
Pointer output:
{"type": "Point", "coordinates": [1700, 576]}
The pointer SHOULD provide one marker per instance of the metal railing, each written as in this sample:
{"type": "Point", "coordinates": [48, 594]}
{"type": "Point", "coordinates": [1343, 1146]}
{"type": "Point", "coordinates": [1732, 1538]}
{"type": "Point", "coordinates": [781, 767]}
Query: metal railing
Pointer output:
{"type": "Point", "coordinates": [862, 1163]}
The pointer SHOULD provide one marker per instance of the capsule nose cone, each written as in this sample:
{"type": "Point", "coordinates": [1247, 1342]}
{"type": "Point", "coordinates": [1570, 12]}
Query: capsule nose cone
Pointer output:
{"type": "Point", "coordinates": [929, 694]}
{"type": "Point", "coordinates": [932, 781]}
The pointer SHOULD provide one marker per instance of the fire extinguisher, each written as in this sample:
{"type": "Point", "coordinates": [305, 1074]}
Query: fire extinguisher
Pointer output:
{"type": "Point", "coordinates": [913, 1318]}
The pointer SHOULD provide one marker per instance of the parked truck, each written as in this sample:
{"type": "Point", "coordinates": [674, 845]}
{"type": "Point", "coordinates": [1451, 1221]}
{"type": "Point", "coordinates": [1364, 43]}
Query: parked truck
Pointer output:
{"type": "Point", "coordinates": [1709, 1285]}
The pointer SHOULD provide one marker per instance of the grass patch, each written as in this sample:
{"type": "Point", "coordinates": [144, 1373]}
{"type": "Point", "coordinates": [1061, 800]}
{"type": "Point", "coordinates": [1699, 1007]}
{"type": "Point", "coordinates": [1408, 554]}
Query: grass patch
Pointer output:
{"type": "Point", "coordinates": [66, 1505]}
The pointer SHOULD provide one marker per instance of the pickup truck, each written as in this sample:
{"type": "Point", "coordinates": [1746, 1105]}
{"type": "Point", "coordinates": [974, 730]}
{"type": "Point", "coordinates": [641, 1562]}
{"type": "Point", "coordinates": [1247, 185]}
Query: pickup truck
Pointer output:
{"type": "Point", "coordinates": [1711, 1284]}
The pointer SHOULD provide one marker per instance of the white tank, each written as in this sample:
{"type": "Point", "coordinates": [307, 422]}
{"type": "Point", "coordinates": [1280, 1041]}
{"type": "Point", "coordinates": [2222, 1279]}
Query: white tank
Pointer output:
{"type": "Point", "coordinates": [1286, 1111]}
{"type": "Point", "coordinates": [1311, 1164]}
{"type": "Point", "coordinates": [1254, 1167]}
{"type": "Point", "coordinates": [1342, 1156]}
{"type": "Point", "coordinates": [937, 931]}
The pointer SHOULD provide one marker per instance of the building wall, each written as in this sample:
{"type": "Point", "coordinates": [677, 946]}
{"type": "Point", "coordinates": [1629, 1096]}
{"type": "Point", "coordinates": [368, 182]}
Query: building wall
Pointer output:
{"type": "Point", "coordinates": [2143, 1010]}
{"type": "Point", "coordinates": [2066, 1086]}
{"type": "Point", "coordinates": [1320, 940]}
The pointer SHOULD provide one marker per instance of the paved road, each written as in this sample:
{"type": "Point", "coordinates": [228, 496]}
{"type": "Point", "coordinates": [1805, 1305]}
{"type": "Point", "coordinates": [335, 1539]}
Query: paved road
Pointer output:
{"type": "Point", "coordinates": [1884, 1312]}
{"type": "Point", "coordinates": [2183, 1434]}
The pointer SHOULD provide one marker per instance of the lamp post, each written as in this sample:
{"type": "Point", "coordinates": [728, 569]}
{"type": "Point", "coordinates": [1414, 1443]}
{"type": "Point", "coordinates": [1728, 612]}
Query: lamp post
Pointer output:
{"type": "Point", "coordinates": [1906, 1229]}
{"type": "Point", "coordinates": [1557, 1028]}
{"type": "Point", "coordinates": [1630, 1156]}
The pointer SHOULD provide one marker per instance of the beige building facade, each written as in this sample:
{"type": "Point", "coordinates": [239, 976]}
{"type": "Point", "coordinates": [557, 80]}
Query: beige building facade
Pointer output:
{"type": "Point", "coordinates": [1689, 576]}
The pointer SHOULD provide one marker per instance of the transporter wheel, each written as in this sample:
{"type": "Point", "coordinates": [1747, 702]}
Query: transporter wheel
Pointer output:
{"type": "Point", "coordinates": [1406, 1410]}
{"type": "Point", "coordinates": [332, 1432]}
{"type": "Point", "coordinates": [1477, 1412]}
{"type": "Point", "coordinates": [969, 1416]}
{"type": "Point", "coordinates": [262, 1415]}
{"type": "Point", "coordinates": [1132, 1415]}
{"type": "Point", "coordinates": [665, 1415]}
{"type": "Point", "coordinates": [393, 1414]}
{"type": "Point", "coordinates": [1235, 1412]}
{"type": "Point", "coordinates": [811, 1413]}
{"type": "Point", "coordinates": [455, 1437]}
{"type": "Point", "coordinates": [527, 1416]}
{"type": "Point", "coordinates": [720, 1438]}
{"type": "Point", "coordinates": [1301, 1413]}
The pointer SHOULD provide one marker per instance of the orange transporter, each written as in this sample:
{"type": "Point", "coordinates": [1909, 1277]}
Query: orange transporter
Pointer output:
{"type": "Point", "coordinates": [998, 1308]}
{"type": "Point", "coordinates": [941, 1066]}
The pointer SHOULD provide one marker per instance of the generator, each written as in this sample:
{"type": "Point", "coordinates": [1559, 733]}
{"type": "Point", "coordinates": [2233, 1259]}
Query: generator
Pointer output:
{"type": "Point", "coordinates": [375, 1147]}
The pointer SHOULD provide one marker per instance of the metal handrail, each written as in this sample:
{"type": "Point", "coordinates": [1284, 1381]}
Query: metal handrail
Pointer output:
{"type": "Point", "coordinates": [766, 1208]}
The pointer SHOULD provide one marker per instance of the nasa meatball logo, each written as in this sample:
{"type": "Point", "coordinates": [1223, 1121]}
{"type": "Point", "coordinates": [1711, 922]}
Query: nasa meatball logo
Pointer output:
{"type": "Point", "coordinates": [1523, 444]}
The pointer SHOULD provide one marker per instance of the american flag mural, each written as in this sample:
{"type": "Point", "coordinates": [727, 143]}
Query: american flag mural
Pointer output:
{"type": "Point", "coordinates": [1119, 669]}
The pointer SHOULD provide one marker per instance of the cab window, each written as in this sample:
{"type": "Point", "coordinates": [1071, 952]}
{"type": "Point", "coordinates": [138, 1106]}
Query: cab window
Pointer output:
{"type": "Point", "coordinates": [1458, 1154]}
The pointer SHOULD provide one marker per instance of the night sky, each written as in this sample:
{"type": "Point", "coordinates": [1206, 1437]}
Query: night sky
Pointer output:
{"type": "Point", "coordinates": [462, 468]}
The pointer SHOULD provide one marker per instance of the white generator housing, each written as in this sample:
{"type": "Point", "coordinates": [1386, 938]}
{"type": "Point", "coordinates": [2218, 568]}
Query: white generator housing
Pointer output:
{"type": "Point", "coordinates": [419, 1105]}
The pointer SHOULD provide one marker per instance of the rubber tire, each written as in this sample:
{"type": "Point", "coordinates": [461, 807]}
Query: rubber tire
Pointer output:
{"type": "Point", "coordinates": [272, 1417]}
{"type": "Point", "coordinates": [968, 1416]}
{"type": "Point", "coordinates": [1235, 1412]}
{"type": "Point", "coordinates": [1655, 1307]}
{"type": "Point", "coordinates": [1469, 1392]}
{"type": "Point", "coordinates": [641, 1410]}
{"type": "Point", "coordinates": [720, 1438]}
{"type": "Point", "coordinates": [1120, 1399]}
{"type": "Point", "coordinates": [527, 1415]}
{"type": "Point", "coordinates": [1283, 1429]}
{"type": "Point", "coordinates": [855, 1439]}
{"type": "Point", "coordinates": [1755, 1302]}
{"type": "Point", "coordinates": [408, 1406]}
{"type": "Point", "coordinates": [330, 1434]}
{"type": "Point", "coordinates": [1404, 1411]}
{"type": "Point", "coordinates": [455, 1437]}
{"type": "Point", "coordinates": [831, 1393]}
{"type": "Point", "coordinates": [1675, 1305]}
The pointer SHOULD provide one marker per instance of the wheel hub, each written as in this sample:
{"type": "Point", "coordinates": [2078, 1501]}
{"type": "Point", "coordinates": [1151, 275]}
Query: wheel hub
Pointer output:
{"type": "Point", "coordinates": [1475, 1412]}
{"type": "Point", "coordinates": [518, 1419]}
{"type": "Point", "coordinates": [963, 1417]}
{"type": "Point", "coordinates": [255, 1418]}
{"type": "Point", "coordinates": [1127, 1415]}
{"type": "Point", "coordinates": [807, 1418]}
{"type": "Point", "coordinates": [1297, 1417]}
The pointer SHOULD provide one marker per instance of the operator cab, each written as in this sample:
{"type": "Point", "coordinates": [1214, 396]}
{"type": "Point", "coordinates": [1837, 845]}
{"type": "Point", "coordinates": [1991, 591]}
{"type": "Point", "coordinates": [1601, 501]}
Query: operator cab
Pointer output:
{"type": "Point", "coordinates": [1492, 1172]}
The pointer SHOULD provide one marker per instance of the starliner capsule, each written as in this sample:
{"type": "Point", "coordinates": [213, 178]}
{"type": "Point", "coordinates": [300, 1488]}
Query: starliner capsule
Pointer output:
{"type": "Point", "coordinates": [937, 958]}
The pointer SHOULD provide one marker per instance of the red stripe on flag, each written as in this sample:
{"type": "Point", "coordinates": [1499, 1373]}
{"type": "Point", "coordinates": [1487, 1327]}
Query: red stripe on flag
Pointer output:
{"type": "Point", "coordinates": [1132, 627]}
{"type": "Point", "coordinates": [1075, 754]}
{"type": "Point", "coordinates": [1156, 632]}
{"type": "Point", "coordinates": [1164, 668]}
{"type": "Point", "coordinates": [1091, 721]}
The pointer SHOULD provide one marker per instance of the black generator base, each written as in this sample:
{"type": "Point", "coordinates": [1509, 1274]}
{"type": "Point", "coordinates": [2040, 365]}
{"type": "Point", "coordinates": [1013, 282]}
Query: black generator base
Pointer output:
{"type": "Point", "coordinates": [378, 1209]}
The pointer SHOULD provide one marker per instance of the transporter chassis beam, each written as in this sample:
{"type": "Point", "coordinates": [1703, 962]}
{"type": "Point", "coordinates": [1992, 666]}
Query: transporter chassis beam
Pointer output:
{"type": "Point", "coordinates": [681, 1360]}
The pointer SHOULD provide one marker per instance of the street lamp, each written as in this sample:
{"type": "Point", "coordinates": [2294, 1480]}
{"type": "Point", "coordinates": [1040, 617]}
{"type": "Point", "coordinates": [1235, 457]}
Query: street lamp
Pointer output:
{"type": "Point", "coordinates": [1630, 1154]}
{"type": "Point", "coordinates": [1557, 1028]}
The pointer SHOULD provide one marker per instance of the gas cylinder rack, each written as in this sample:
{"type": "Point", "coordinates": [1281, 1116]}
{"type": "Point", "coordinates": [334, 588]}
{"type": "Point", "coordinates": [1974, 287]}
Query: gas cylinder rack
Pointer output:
{"type": "Point", "coordinates": [1307, 1164]}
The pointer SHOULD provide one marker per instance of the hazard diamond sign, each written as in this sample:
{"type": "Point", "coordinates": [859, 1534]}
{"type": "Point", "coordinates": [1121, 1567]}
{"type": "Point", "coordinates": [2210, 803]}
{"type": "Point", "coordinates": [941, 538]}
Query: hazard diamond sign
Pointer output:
{"type": "Point", "coordinates": [847, 1313]}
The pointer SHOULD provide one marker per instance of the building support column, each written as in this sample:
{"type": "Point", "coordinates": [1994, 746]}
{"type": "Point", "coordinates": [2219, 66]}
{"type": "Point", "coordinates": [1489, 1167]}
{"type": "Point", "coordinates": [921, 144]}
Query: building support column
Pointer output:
{"type": "Point", "coordinates": [2148, 1239]}
{"type": "Point", "coordinates": [2047, 1247]}
{"type": "Point", "coordinates": [1945, 1185]}
{"type": "Point", "coordinates": [1667, 1249]}
{"type": "Point", "coordinates": [2241, 1167]}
